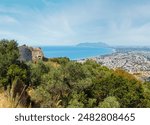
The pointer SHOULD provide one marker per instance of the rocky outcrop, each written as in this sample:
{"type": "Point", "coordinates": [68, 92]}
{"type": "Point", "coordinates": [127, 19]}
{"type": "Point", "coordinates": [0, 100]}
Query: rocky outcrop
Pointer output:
{"type": "Point", "coordinates": [30, 53]}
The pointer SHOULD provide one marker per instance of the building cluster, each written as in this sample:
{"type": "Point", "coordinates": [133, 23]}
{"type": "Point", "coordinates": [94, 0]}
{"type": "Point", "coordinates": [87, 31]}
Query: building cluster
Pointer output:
{"type": "Point", "coordinates": [134, 62]}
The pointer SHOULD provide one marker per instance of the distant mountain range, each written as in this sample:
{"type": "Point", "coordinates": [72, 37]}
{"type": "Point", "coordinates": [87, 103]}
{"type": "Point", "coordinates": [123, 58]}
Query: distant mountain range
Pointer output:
{"type": "Point", "coordinates": [98, 44]}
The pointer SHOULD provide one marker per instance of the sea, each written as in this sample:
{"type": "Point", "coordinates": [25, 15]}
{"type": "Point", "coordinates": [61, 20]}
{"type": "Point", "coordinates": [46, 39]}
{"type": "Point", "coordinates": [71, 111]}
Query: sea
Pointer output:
{"type": "Point", "coordinates": [75, 52]}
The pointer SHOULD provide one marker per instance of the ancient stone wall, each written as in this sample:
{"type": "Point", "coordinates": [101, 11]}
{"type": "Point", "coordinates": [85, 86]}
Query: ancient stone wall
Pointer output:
{"type": "Point", "coordinates": [30, 53]}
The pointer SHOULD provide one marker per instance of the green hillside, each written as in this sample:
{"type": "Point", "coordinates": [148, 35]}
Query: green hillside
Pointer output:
{"type": "Point", "coordinates": [59, 83]}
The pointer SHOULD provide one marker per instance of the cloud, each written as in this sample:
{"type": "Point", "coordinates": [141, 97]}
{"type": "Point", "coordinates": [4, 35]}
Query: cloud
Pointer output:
{"type": "Point", "coordinates": [7, 20]}
{"type": "Point", "coordinates": [12, 35]}
{"type": "Point", "coordinates": [78, 21]}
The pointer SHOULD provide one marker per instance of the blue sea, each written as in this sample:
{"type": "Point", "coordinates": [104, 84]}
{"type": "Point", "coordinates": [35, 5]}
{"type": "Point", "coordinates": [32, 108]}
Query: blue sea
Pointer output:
{"type": "Point", "coordinates": [74, 52]}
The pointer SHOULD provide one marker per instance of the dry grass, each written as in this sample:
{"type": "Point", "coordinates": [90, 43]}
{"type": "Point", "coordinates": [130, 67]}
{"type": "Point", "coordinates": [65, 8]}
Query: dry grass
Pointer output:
{"type": "Point", "coordinates": [6, 101]}
{"type": "Point", "coordinates": [50, 63]}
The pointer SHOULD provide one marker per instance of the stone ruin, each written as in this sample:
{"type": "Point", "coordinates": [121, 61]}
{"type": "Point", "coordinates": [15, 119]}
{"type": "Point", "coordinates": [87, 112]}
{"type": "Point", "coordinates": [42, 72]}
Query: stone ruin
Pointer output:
{"type": "Point", "coordinates": [30, 53]}
{"type": "Point", "coordinates": [37, 54]}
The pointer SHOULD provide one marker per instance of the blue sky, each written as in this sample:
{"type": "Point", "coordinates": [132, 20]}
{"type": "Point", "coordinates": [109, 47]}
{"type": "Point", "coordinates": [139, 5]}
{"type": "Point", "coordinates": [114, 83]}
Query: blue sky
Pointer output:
{"type": "Point", "coordinates": [69, 22]}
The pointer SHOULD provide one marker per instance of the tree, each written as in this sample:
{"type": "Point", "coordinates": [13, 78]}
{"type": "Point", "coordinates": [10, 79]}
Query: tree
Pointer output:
{"type": "Point", "coordinates": [37, 71]}
{"type": "Point", "coordinates": [109, 102]}
{"type": "Point", "coordinates": [60, 60]}
{"type": "Point", "coordinates": [17, 72]}
{"type": "Point", "coordinates": [77, 100]}
{"type": "Point", "coordinates": [9, 54]}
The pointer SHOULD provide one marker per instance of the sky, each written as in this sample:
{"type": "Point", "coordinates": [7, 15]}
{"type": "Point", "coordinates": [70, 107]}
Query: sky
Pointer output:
{"type": "Point", "coordinates": [69, 22]}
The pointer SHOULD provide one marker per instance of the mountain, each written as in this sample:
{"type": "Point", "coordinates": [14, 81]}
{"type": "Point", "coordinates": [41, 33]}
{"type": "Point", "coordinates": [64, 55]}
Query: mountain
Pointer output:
{"type": "Point", "coordinates": [98, 44]}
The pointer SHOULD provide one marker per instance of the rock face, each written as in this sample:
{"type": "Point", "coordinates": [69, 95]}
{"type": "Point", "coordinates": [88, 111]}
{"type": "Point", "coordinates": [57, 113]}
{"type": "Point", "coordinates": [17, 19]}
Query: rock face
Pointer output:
{"type": "Point", "coordinates": [30, 53]}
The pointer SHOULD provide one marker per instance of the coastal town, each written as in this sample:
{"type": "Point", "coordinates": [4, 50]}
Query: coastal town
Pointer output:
{"type": "Point", "coordinates": [134, 62]}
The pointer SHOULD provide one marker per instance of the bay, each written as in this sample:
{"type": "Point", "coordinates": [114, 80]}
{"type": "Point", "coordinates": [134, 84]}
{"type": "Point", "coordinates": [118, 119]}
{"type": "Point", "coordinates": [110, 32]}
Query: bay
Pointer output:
{"type": "Point", "coordinates": [74, 52]}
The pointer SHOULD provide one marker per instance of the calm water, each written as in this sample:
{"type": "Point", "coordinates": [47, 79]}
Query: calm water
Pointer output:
{"type": "Point", "coordinates": [74, 52]}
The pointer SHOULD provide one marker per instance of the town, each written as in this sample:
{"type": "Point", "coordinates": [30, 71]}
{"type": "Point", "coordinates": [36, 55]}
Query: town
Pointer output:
{"type": "Point", "coordinates": [134, 62]}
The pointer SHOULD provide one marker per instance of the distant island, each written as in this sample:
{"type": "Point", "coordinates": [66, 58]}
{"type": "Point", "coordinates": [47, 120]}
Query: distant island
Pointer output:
{"type": "Point", "coordinates": [96, 44]}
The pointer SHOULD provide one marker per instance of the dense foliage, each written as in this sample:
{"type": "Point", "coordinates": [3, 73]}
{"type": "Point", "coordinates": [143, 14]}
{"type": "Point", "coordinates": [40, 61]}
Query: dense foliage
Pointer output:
{"type": "Point", "coordinates": [10, 67]}
{"type": "Point", "coordinates": [60, 82]}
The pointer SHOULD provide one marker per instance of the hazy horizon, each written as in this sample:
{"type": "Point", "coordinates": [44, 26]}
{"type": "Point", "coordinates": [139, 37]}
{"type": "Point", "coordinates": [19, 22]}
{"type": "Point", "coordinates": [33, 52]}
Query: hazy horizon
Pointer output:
{"type": "Point", "coordinates": [76, 44]}
{"type": "Point", "coordinates": [70, 22]}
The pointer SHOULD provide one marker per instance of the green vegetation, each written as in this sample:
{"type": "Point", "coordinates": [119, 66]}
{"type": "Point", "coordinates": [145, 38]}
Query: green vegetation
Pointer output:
{"type": "Point", "coordinates": [109, 102]}
{"type": "Point", "coordinates": [59, 82]}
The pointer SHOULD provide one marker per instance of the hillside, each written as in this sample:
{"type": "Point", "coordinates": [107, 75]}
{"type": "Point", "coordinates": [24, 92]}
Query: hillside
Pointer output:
{"type": "Point", "coordinates": [62, 83]}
